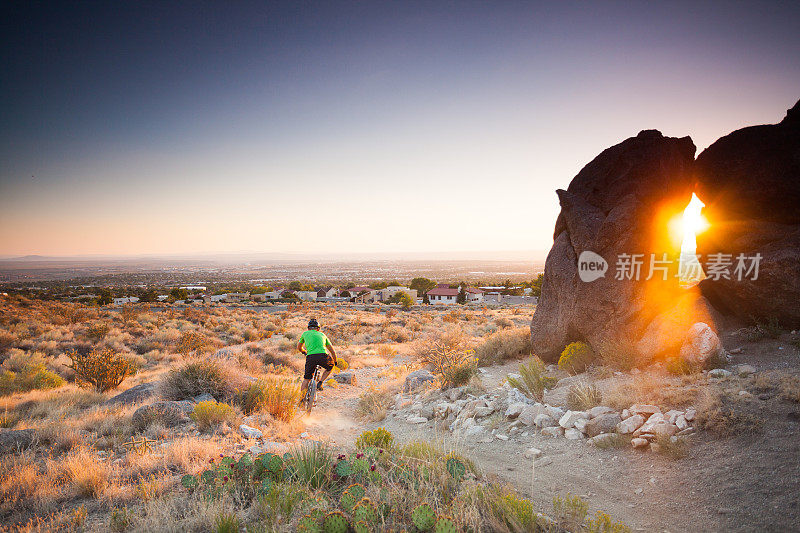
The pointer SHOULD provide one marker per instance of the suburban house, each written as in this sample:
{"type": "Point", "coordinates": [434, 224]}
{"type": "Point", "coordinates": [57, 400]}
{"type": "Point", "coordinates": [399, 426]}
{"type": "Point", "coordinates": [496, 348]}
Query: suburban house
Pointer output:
{"type": "Point", "coordinates": [442, 294]}
{"type": "Point", "coordinates": [233, 297]}
{"type": "Point", "coordinates": [126, 300]}
{"type": "Point", "coordinates": [327, 292]}
{"type": "Point", "coordinates": [388, 292]}
{"type": "Point", "coordinates": [369, 295]}
{"type": "Point", "coordinates": [274, 294]}
{"type": "Point", "coordinates": [474, 296]}
{"type": "Point", "coordinates": [308, 296]}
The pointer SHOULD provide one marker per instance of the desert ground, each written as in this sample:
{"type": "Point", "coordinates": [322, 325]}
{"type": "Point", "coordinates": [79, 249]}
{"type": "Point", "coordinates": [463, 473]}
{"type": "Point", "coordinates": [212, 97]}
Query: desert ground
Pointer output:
{"type": "Point", "coordinates": [120, 418]}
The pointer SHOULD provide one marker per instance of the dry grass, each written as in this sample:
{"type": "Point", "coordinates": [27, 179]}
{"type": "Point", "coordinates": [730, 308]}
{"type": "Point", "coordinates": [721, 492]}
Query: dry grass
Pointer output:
{"type": "Point", "coordinates": [583, 396]}
{"type": "Point", "coordinates": [790, 388]}
{"type": "Point", "coordinates": [84, 471]}
{"type": "Point", "coordinates": [374, 403]}
{"type": "Point", "coordinates": [651, 388]}
{"type": "Point", "coordinates": [504, 345]}
{"type": "Point", "coordinates": [720, 413]}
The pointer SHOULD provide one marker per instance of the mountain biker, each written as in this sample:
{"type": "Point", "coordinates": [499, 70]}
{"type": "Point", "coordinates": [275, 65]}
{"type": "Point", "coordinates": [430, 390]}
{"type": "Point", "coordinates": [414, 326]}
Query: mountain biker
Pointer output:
{"type": "Point", "coordinates": [313, 343]}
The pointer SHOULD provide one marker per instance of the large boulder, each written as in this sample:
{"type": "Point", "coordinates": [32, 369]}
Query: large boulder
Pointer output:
{"type": "Point", "coordinates": [418, 379]}
{"type": "Point", "coordinates": [614, 206]}
{"type": "Point", "coordinates": [750, 183]}
{"type": "Point", "coordinates": [136, 394]}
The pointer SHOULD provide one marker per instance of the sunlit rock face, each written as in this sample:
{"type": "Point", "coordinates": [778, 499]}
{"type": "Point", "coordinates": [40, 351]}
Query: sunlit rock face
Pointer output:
{"type": "Point", "coordinates": [750, 182]}
{"type": "Point", "coordinates": [618, 204]}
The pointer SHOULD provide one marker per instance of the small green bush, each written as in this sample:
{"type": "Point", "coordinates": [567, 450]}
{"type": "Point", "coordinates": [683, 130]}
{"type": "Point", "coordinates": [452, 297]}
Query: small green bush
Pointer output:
{"type": "Point", "coordinates": [32, 376]}
{"type": "Point", "coordinates": [379, 438]}
{"type": "Point", "coordinates": [210, 414]}
{"type": "Point", "coordinates": [312, 463]}
{"type": "Point", "coordinates": [532, 382]}
{"type": "Point", "coordinates": [575, 358]}
{"type": "Point", "coordinates": [570, 511]}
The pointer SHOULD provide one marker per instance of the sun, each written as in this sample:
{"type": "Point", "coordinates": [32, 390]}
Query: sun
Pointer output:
{"type": "Point", "coordinates": [693, 222]}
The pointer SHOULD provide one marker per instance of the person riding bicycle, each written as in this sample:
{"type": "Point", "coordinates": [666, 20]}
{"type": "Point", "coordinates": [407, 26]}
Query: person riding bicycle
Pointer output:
{"type": "Point", "coordinates": [313, 343]}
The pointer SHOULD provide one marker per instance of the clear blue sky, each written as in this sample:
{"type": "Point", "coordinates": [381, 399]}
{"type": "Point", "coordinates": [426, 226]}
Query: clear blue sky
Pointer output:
{"type": "Point", "coordinates": [140, 127]}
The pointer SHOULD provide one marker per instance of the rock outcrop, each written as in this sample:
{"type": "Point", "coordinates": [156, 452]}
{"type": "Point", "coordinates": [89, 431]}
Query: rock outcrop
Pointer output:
{"type": "Point", "coordinates": [610, 208]}
{"type": "Point", "coordinates": [750, 183]}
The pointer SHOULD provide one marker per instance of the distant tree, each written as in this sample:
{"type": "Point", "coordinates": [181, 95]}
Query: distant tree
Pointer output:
{"type": "Point", "coordinates": [536, 285]}
{"type": "Point", "coordinates": [295, 286]}
{"type": "Point", "coordinates": [149, 295]}
{"type": "Point", "coordinates": [378, 285]}
{"type": "Point", "coordinates": [425, 299]}
{"type": "Point", "coordinates": [105, 297]}
{"type": "Point", "coordinates": [422, 285]}
{"type": "Point", "coordinates": [394, 283]}
{"type": "Point", "coordinates": [345, 294]}
{"type": "Point", "coordinates": [406, 301]}
{"type": "Point", "coordinates": [179, 294]}
{"type": "Point", "coordinates": [462, 296]}
{"type": "Point", "coordinates": [259, 290]}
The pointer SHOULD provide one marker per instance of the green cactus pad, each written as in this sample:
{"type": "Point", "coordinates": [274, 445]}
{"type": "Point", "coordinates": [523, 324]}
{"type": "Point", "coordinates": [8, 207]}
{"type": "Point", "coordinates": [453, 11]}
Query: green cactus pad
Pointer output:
{"type": "Point", "coordinates": [309, 524]}
{"type": "Point", "coordinates": [335, 522]}
{"type": "Point", "coordinates": [208, 476]}
{"type": "Point", "coordinates": [445, 524]}
{"type": "Point", "coordinates": [343, 469]}
{"type": "Point", "coordinates": [365, 511]}
{"type": "Point", "coordinates": [360, 466]}
{"type": "Point", "coordinates": [189, 481]}
{"type": "Point", "coordinates": [357, 490]}
{"type": "Point", "coordinates": [347, 501]}
{"type": "Point", "coordinates": [245, 462]}
{"type": "Point", "coordinates": [423, 517]}
{"type": "Point", "coordinates": [361, 527]}
{"type": "Point", "coordinates": [275, 464]}
{"type": "Point", "coordinates": [456, 468]}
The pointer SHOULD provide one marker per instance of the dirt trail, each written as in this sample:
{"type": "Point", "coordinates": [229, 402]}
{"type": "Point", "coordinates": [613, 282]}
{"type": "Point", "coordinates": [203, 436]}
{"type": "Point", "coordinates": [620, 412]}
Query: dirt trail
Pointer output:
{"type": "Point", "coordinates": [744, 483]}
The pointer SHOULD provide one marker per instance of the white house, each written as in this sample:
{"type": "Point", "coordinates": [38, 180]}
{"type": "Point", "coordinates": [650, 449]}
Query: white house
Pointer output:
{"type": "Point", "coordinates": [126, 300]}
{"type": "Point", "coordinates": [442, 294]}
{"type": "Point", "coordinates": [474, 296]}
{"type": "Point", "coordinates": [327, 292]}
{"type": "Point", "coordinates": [362, 294]}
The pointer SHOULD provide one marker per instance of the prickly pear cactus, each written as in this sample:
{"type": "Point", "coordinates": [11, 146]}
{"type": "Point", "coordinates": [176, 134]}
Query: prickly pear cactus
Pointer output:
{"type": "Point", "coordinates": [245, 462]}
{"type": "Point", "coordinates": [360, 466]}
{"type": "Point", "coordinates": [347, 501]}
{"type": "Point", "coordinates": [275, 464]}
{"type": "Point", "coordinates": [207, 477]}
{"type": "Point", "coordinates": [357, 490]}
{"type": "Point", "coordinates": [456, 468]}
{"type": "Point", "coordinates": [335, 522]}
{"type": "Point", "coordinates": [423, 517]}
{"type": "Point", "coordinates": [265, 487]}
{"type": "Point", "coordinates": [445, 524]}
{"type": "Point", "coordinates": [343, 468]}
{"type": "Point", "coordinates": [309, 524]}
{"type": "Point", "coordinates": [365, 511]}
{"type": "Point", "coordinates": [361, 527]}
{"type": "Point", "coordinates": [189, 481]}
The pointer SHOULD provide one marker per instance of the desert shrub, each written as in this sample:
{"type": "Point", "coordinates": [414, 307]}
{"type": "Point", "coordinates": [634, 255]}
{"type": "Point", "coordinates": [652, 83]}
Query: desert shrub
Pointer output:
{"type": "Point", "coordinates": [312, 463]}
{"type": "Point", "coordinates": [194, 342]}
{"type": "Point", "coordinates": [583, 396]}
{"type": "Point", "coordinates": [602, 523]}
{"type": "Point", "coordinates": [276, 395]}
{"type": "Point", "coordinates": [517, 513]}
{"type": "Point", "coordinates": [196, 377]}
{"type": "Point", "coordinates": [453, 366]}
{"type": "Point", "coordinates": [717, 412]}
{"type": "Point", "coordinates": [770, 328]}
{"type": "Point", "coordinates": [97, 331]}
{"type": "Point", "coordinates": [227, 523]}
{"type": "Point", "coordinates": [677, 366]}
{"type": "Point", "coordinates": [460, 373]}
{"type": "Point", "coordinates": [210, 414]}
{"type": "Point", "coordinates": [87, 473]}
{"type": "Point", "coordinates": [504, 345]}
{"type": "Point", "coordinates": [7, 341]}
{"type": "Point", "coordinates": [790, 388]}
{"type": "Point", "coordinates": [397, 334]}
{"type": "Point", "coordinates": [103, 369]}
{"type": "Point", "coordinates": [379, 438]}
{"type": "Point", "coordinates": [252, 334]}
{"type": "Point", "coordinates": [25, 373]}
{"type": "Point", "coordinates": [532, 381]}
{"type": "Point", "coordinates": [575, 358]}
{"type": "Point", "coordinates": [503, 322]}
{"type": "Point", "coordinates": [570, 511]}
{"type": "Point", "coordinates": [374, 403]}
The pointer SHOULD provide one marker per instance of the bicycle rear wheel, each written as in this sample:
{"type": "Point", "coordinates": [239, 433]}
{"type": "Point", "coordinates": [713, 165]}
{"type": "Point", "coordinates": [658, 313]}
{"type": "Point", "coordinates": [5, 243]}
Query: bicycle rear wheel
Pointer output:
{"type": "Point", "coordinates": [311, 395]}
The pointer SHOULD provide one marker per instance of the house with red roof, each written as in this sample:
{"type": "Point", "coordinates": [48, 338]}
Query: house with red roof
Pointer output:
{"type": "Point", "coordinates": [442, 294]}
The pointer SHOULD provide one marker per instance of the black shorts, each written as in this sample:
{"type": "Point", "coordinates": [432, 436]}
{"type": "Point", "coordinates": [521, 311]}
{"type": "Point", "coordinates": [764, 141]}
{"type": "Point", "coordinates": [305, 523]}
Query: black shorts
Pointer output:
{"type": "Point", "coordinates": [317, 359]}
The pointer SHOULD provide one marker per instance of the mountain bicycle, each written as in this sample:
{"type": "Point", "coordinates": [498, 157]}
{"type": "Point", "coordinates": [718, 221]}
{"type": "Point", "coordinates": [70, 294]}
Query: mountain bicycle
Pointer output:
{"type": "Point", "coordinates": [311, 392]}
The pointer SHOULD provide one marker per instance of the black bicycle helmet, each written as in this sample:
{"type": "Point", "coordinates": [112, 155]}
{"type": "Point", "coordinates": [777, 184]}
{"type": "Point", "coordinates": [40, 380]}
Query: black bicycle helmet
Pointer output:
{"type": "Point", "coordinates": [313, 323]}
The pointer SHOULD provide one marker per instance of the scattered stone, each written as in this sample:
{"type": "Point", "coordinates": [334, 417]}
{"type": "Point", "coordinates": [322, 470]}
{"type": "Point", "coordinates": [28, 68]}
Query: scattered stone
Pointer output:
{"type": "Point", "coordinates": [719, 373]}
{"type": "Point", "coordinates": [764, 396]}
{"type": "Point", "coordinates": [664, 429]}
{"type": "Point", "coordinates": [736, 350]}
{"type": "Point", "coordinates": [690, 414]}
{"type": "Point", "coordinates": [12, 440]}
{"type": "Point", "coordinates": [345, 378]}
{"type": "Point", "coordinates": [639, 443]}
{"type": "Point", "coordinates": [681, 423]}
{"type": "Point", "coordinates": [473, 430]}
{"type": "Point", "coordinates": [639, 491]}
{"type": "Point", "coordinates": [626, 414]}
{"type": "Point", "coordinates": [555, 431]}
{"type": "Point", "coordinates": [250, 432]}
{"type": "Point", "coordinates": [600, 410]}
{"type": "Point", "coordinates": [514, 410]}
{"type": "Point", "coordinates": [455, 393]}
{"type": "Point", "coordinates": [205, 397]}
{"type": "Point", "coordinates": [568, 420]}
{"type": "Point", "coordinates": [555, 412]}
{"type": "Point", "coordinates": [426, 412]}
{"type": "Point", "coordinates": [483, 411]}
{"type": "Point", "coordinates": [573, 434]}
{"type": "Point", "coordinates": [136, 394]}
{"type": "Point", "coordinates": [400, 402]}
{"type": "Point", "coordinates": [630, 424]}
{"type": "Point", "coordinates": [605, 423]}
{"type": "Point", "coordinates": [501, 436]}
{"type": "Point", "coordinates": [532, 453]}
{"type": "Point", "coordinates": [544, 461]}
{"type": "Point", "coordinates": [672, 415]}
{"type": "Point", "coordinates": [166, 413]}
{"type": "Point", "coordinates": [418, 379]}
{"type": "Point", "coordinates": [745, 370]}
{"type": "Point", "coordinates": [745, 394]}
{"type": "Point", "coordinates": [416, 419]}
{"type": "Point", "coordinates": [304, 435]}
{"type": "Point", "coordinates": [684, 432]}
{"type": "Point", "coordinates": [544, 420]}
{"type": "Point", "coordinates": [529, 414]}
{"type": "Point", "coordinates": [580, 424]}
{"type": "Point", "coordinates": [645, 410]}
